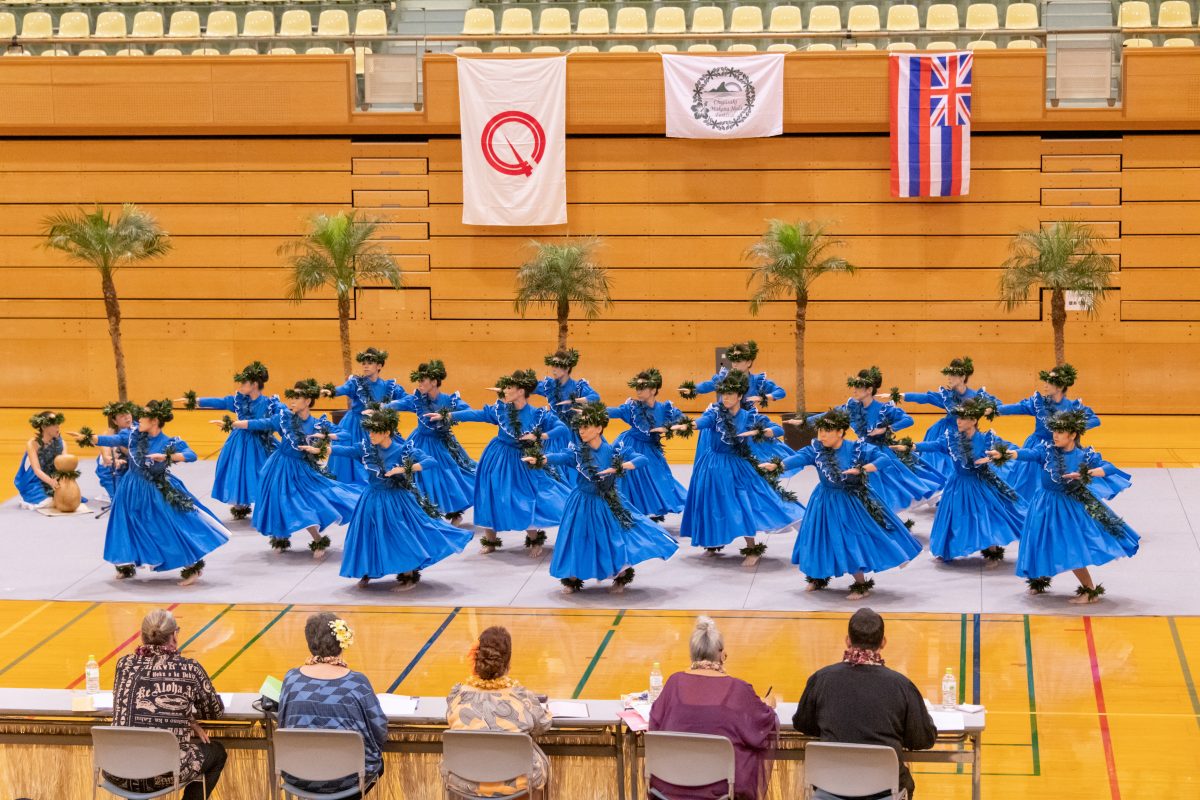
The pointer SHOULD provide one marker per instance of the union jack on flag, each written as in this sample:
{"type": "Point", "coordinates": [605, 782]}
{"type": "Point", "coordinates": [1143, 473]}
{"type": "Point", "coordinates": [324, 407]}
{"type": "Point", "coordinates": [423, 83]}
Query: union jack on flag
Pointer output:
{"type": "Point", "coordinates": [931, 124]}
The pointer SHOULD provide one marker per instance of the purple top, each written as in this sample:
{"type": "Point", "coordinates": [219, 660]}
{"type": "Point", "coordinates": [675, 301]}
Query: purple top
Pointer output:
{"type": "Point", "coordinates": [720, 706]}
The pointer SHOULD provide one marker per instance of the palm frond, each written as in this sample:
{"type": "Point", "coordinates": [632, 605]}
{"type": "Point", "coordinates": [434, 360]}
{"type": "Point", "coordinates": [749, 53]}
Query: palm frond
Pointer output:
{"type": "Point", "coordinates": [337, 251]}
{"type": "Point", "coordinates": [790, 256]}
{"type": "Point", "coordinates": [1063, 256]}
{"type": "Point", "coordinates": [97, 238]}
{"type": "Point", "coordinates": [563, 273]}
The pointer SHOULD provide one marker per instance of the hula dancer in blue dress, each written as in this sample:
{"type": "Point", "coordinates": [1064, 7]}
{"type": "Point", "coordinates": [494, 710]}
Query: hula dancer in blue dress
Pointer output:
{"type": "Point", "coordinates": [296, 492]}
{"type": "Point", "coordinates": [111, 464]}
{"type": "Point", "coordinates": [242, 458]}
{"type": "Point", "coordinates": [452, 485]}
{"type": "Point", "coordinates": [730, 496]}
{"type": "Point", "coordinates": [564, 395]}
{"type": "Point", "coordinates": [508, 495]}
{"type": "Point", "coordinates": [601, 536]}
{"type": "Point", "coordinates": [650, 489]}
{"type": "Point", "coordinates": [365, 390]}
{"type": "Point", "coordinates": [956, 392]}
{"type": "Point", "coordinates": [978, 510]}
{"type": "Point", "coordinates": [156, 521]}
{"type": "Point", "coordinates": [36, 479]}
{"type": "Point", "coordinates": [395, 527]}
{"type": "Point", "coordinates": [1068, 527]}
{"type": "Point", "coordinates": [847, 529]}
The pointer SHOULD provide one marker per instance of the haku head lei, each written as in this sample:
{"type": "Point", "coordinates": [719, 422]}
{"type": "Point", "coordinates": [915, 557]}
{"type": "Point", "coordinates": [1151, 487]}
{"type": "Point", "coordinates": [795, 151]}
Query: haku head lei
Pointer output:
{"type": "Point", "coordinates": [342, 632]}
{"type": "Point", "coordinates": [869, 378]}
{"type": "Point", "coordinates": [161, 410]}
{"type": "Point", "coordinates": [433, 370]}
{"type": "Point", "coordinates": [646, 379]}
{"type": "Point", "coordinates": [522, 379]}
{"type": "Point", "coordinates": [1068, 422]}
{"type": "Point", "coordinates": [734, 382]}
{"type": "Point", "coordinates": [1062, 376]}
{"type": "Point", "coordinates": [742, 351]}
{"type": "Point", "coordinates": [963, 367]}
{"type": "Point", "coordinates": [306, 388]}
{"type": "Point", "coordinates": [593, 415]}
{"type": "Point", "coordinates": [976, 408]}
{"type": "Point", "coordinates": [372, 356]}
{"type": "Point", "coordinates": [117, 407]}
{"type": "Point", "coordinates": [563, 359]}
{"type": "Point", "coordinates": [381, 420]}
{"type": "Point", "coordinates": [45, 419]}
{"type": "Point", "coordinates": [835, 419]}
{"type": "Point", "coordinates": [255, 372]}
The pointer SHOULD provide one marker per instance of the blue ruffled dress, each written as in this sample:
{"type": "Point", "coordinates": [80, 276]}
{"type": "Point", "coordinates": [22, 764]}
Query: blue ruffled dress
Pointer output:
{"type": "Point", "coordinates": [839, 536]}
{"type": "Point", "coordinates": [1059, 534]}
{"type": "Point", "coordinates": [651, 488]}
{"type": "Point", "coordinates": [452, 484]}
{"type": "Point", "coordinates": [33, 492]}
{"type": "Point", "coordinates": [509, 494]}
{"type": "Point", "coordinates": [592, 543]}
{"type": "Point", "coordinates": [293, 494]}
{"type": "Point", "coordinates": [245, 451]}
{"type": "Point", "coordinates": [109, 477]}
{"type": "Point", "coordinates": [143, 528]}
{"type": "Point", "coordinates": [944, 399]}
{"type": "Point", "coordinates": [389, 532]}
{"type": "Point", "coordinates": [361, 392]}
{"type": "Point", "coordinates": [560, 398]}
{"type": "Point", "coordinates": [728, 498]}
{"type": "Point", "coordinates": [974, 513]}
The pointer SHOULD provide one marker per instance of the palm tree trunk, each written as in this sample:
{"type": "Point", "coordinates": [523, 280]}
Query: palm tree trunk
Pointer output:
{"type": "Point", "coordinates": [112, 309]}
{"type": "Point", "coordinates": [801, 329]}
{"type": "Point", "coordinates": [344, 331]}
{"type": "Point", "coordinates": [1058, 321]}
{"type": "Point", "coordinates": [564, 313]}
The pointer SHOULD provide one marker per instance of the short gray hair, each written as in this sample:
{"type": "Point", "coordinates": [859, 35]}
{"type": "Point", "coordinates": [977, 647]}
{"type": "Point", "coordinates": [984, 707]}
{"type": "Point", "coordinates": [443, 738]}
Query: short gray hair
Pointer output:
{"type": "Point", "coordinates": [158, 626]}
{"type": "Point", "coordinates": [707, 643]}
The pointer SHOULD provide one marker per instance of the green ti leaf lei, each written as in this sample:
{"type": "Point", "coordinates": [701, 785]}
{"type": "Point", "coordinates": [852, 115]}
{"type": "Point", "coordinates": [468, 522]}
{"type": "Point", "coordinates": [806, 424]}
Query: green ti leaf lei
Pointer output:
{"type": "Point", "coordinates": [299, 437]}
{"type": "Point", "coordinates": [242, 407]}
{"type": "Point", "coordinates": [856, 485]}
{"type": "Point", "coordinates": [176, 499]}
{"type": "Point", "coordinates": [728, 433]}
{"type": "Point", "coordinates": [530, 448]}
{"type": "Point", "coordinates": [226, 424]}
{"type": "Point", "coordinates": [606, 484]}
{"type": "Point", "coordinates": [406, 481]}
{"type": "Point", "coordinates": [687, 390]}
{"type": "Point", "coordinates": [444, 429]}
{"type": "Point", "coordinates": [1078, 491]}
{"type": "Point", "coordinates": [86, 438]}
{"type": "Point", "coordinates": [189, 399]}
{"type": "Point", "coordinates": [963, 451]}
{"type": "Point", "coordinates": [46, 453]}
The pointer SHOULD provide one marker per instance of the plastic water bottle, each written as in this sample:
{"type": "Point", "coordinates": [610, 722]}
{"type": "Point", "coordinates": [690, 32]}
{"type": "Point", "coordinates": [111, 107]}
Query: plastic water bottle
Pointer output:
{"type": "Point", "coordinates": [91, 675]}
{"type": "Point", "coordinates": [656, 682]}
{"type": "Point", "coordinates": [949, 690]}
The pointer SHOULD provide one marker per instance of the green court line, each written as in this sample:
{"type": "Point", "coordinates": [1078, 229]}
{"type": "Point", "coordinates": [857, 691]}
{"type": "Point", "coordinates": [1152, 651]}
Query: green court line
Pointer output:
{"type": "Point", "coordinates": [1033, 726]}
{"type": "Point", "coordinates": [39, 645]}
{"type": "Point", "coordinates": [248, 644]}
{"type": "Point", "coordinates": [599, 652]}
{"type": "Point", "coordinates": [1181, 654]}
{"type": "Point", "coordinates": [207, 625]}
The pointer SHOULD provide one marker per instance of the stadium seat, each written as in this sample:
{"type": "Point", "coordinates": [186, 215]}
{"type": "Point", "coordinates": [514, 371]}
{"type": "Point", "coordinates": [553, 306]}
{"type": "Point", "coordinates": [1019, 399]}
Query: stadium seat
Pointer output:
{"type": "Point", "coordinates": [479, 22]}
{"type": "Point", "coordinates": [708, 19]}
{"type": "Point", "coordinates": [941, 45]}
{"type": "Point", "coordinates": [147, 24]}
{"type": "Point", "coordinates": [168, 51]}
{"type": "Point", "coordinates": [291, 51]}
{"type": "Point", "coordinates": [741, 48]}
{"type": "Point", "coordinates": [554, 22]}
{"type": "Point", "coordinates": [861, 46]}
{"type": "Point", "coordinates": [1179, 42]}
{"type": "Point", "coordinates": [1022, 44]}
{"type": "Point", "coordinates": [781, 47]}
{"type": "Point", "coordinates": [584, 48]}
{"type": "Point", "coordinates": [240, 51]}
{"type": "Point", "coordinates": [55, 52]}
{"type": "Point", "coordinates": [546, 48]}
{"type": "Point", "coordinates": [901, 46]}
{"type": "Point", "coordinates": [130, 51]}
{"type": "Point", "coordinates": [821, 47]}
{"type": "Point", "coordinates": [624, 48]}
{"type": "Point", "coordinates": [466, 49]}
{"type": "Point", "coordinates": [370, 22]}
{"type": "Point", "coordinates": [592, 22]}
{"type": "Point", "coordinates": [205, 51]}
{"type": "Point", "coordinates": [1175, 14]}
{"type": "Point", "coordinates": [863, 18]}
{"type": "Point", "coordinates": [110, 25]}
{"type": "Point", "coordinates": [941, 17]}
{"type": "Point", "coordinates": [982, 17]}
{"type": "Point", "coordinates": [630, 20]}
{"type": "Point", "coordinates": [746, 19]}
{"type": "Point", "coordinates": [333, 22]}
{"type": "Point", "coordinates": [662, 48]}
{"type": "Point", "coordinates": [505, 49]}
{"type": "Point", "coordinates": [92, 52]}
{"type": "Point", "coordinates": [903, 18]}
{"type": "Point", "coordinates": [221, 24]}
{"type": "Point", "coordinates": [1136, 43]}
{"type": "Point", "coordinates": [669, 19]}
{"type": "Point", "coordinates": [981, 44]}
{"type": "Point", "coordinates": [320, 50]}
{"type": "Point", "coordinates": [16, 53]}
{"type": "Point", "coordinates": [1021, 16]}
{"type": "Point", "coordinates": [184, 24]}
{"type": "Point", "coordinates": [8, 25]}
{"type": "Point", "coordinates": [702, 48]}
{"type": "Point", "coordinates": [516, 22]}
{"type": "Point", "coordinates": [76, 25]}
{"type": "Point", "coordinates": [825, 18]}
{"type": "Point", "coordinates": [36, 25]}
{"type": "Point", "coordinates": [295, 22]}
{"type": "Point", "coordinates": [786, 19]}
{"type": "Point", "coordinates": [1134, 14]}
{"type": "Point", "coordinates": [259, 23]}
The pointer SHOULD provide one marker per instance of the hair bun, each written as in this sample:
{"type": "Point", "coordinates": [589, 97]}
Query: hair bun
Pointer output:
{"type": "Point", "coordinates": [704, 623]}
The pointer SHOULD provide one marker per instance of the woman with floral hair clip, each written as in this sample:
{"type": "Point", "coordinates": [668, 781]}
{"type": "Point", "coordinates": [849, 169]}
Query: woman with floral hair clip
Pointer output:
{"type": "Point", "coordinates": [652, 489]}
{"type": "Point", "coordinates": [365, 390]}
{"type": "Point", "coordinates": [36, 479]}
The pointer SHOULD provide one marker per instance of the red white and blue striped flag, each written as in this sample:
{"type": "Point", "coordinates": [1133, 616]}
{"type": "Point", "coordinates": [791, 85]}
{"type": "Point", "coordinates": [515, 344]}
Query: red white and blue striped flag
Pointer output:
{"type": "Point", "coordinates": [931, 124]}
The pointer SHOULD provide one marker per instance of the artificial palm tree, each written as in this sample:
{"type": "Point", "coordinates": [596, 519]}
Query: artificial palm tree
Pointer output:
{"type": "Point", "coordinates": [790, 256]}
{"type": "Point", "coordinates": [106, 243]}
{"type": "Point", "coordinates": [562, 274]}
{"type": "Point", "coordinates": [338, 252]}
{"type": "Point", "coordinates": [1063, 257]}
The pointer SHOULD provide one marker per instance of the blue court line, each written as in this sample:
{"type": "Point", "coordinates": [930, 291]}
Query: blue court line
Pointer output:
{"type": "Point", "coordinates": [424, 649]}
{"type": "Point", "coordinates": [38, 646]}
{"type": "Point", "coordinates": [1181, 654]}
{"type": "Point", "coordinates": [207, 625]}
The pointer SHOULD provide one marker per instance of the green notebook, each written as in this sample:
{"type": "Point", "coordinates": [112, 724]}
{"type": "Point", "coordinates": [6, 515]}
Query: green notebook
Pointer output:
{"type": "Point", "coordinates": [271, 689]}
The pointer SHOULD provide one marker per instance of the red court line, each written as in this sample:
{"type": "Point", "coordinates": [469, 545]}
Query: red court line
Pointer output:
{"type": "Point", "coordinates": [116, 650]}
{"type": "Point", "coordinates": [1105, 735]}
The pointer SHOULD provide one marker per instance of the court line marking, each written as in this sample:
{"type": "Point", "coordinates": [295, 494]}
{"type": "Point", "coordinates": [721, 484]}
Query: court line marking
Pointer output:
{"type": "Point", "coordinates": [25, 619]}
{"type": "Point", "coordinates": [1181, 654]}
{"type": "Point", "coordinates": [207, 625]}
{"type": "Point", "coordinates": [253, 639]}
{"type": "Point", "coordinates": [1105, 735]}
{"type": "Point", "coordinates": [1033, 712]}
{"type": "Point", "coordinates": [83, 676]}
{"type": "Point", "coordinates": [424, 649]}
{"type": "Point", "coordinates": [977, 649]}
{"type": "Point", "coordinates": [608, 635]}
{"type": "Point", "coordinates": [33, 649]}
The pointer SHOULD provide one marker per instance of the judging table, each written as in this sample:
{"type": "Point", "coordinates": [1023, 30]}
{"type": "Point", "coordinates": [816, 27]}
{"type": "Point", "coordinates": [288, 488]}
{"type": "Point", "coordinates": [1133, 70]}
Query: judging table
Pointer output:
{"type": "Point", "coordinates": [45, 750]}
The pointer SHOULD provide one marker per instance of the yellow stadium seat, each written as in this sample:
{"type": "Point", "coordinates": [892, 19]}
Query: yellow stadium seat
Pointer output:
{"type": "Point", "coordinates": [55, 52]}
{"type": "Point", "coordinates": [333, 22]}
{"type": "Point", "coordinates": [546, 48]}
{"type": "Point", "coordinates": [479, 22]}
{"type": "Point", "coordinates": [746, 19]}
{"type": "Point", "coordinates": [662, 48]}
{"type": "Point", "coordinates": [295, 22]}
{"type": "Point", "coordinates": [861, 46]}
{"type": "Point", "coordinates": [8, 25]}
{"type": "Point", "coordinates": [320, 50]}
{"type": "Point", "coordinates": [1021, 16]}
{"type": "Point", "coordinates": [370, 22]}
{"type": "Point", "coordinates": [92, 52]}
{"type": "Point", "coordinates": [903, 18]}
{"type": "Point", "coordinates": [130, 51]}
{"type": "Point", "coordinates": [1175, 14]}
{"type": "Point", "coordinates": [741, 48]}
{"type": "Point", "coordinates": [466, 49]}
{"type": "Point", "coordinates": [942, 17]}
{"type": "Point", "coordinates": [168, 51]}
{"type": "Point", "coordinates": [1179, 42]}
{"type": "Point", "coordinates": [506, 49]}
{"type": "Point", "coordinates": [785, 19]}
{"type": "Point", "coordinates": [941, 45]}
{"type": "Point", "coordinates": [1137, 43]}
{"type": "Point", "coordinates": [584, 48]}
{"type": "Point", "coordinates": [16, 53]}
{"type": "Point", "coordinates": [863, 18]}
{"type": "Point", "coordinates": [982, 17]}
{"type": "Point", "coordinates": [623, 48]}
{"type": "Point", "coordinates": [287, 51]}
{"type": "Point", "coordinates": [821, 47]}
{"type": "Point", "coordinates": [781, 47]}
{"type": "Point", "coordinates": [901, 46]}
{"type": "Point", "coordinates": [184, 24]}
{"type": "Point", "coordinates": [554, 22]}
{"type": "Point", "coordinates": [37, 25]}
{"type": "Point", "coordinates": [702, 48]}
{"type": "Point", "coordinates": [981, 44]}
{"type": "Point", "coordinates": [148, 24]}
{"type": "Point", "coordinates": [592, 22]}
{"type": "Point", "coordinates": [259, 23]}
{"type": "Point", "coordinates": [1022, 44]}
{"type": "Point", "coordinates": [1134, 14]}
{"type": "Point", "coordinates": [110, 25]}
{"type": "Point", "coordinates": [630, 20]}
{"type": "Point", "coordinates": [708, 19]}
{"type": "Point", "coordinates": [76, 25]}
{"type": "Point", "coordinates": [221, 24]}
{"type": "Point", "coordinates": [669, 19]}
{"type": "Point", "coordinates": [243, 51]}
{"type": "Point", "coordinates": [206, 51]}
{"type": "Point", "coordinates": [516, 22]}
{"type": "Point", "coordinates": [825, 18]}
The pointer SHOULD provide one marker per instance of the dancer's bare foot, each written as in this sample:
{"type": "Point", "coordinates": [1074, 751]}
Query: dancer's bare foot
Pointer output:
{"type": "Point", "coordinates": [535, 551]}
{"type": "Point", "coordinates": [751, 561]}
{"type": "Point", "coordinates": [617, 588]}
{"type": "Point", "coordinates": [319, 554]}
{"type": "Point", "coordinates": [854, 597]}
{"type": "Point", "coordinates": [486, 549]}
{"type": "Point", "coordinates": [364, 581]}
{"type": "Point", "coordinates": [1084, 599]}
{"type": "Point", "coordinates": [812, 587]}
{"type": "Point", "coordinates": [1033, 592]}
{"type": "Point", "coordinates": [189, 580]}
{"type": "Point", "coordinates": [404, 587]}
{"type": "Point", "coordinates": [993, 563]}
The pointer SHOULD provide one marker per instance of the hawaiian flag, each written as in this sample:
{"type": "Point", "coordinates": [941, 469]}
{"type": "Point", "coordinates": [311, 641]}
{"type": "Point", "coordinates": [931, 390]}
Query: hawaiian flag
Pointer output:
{"type": "Point", "coordinates": [931, 124]}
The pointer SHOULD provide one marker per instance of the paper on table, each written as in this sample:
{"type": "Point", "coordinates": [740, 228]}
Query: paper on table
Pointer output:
{"type": "Point", "coordinates": [568, 708]}
{"type": "Point", "coordinates": [397, 705]}
{"type": "Point", "coordinates": [948, 720]}
{"type": "Point", "coordinates": [633, 720]}
{"type": "Point", "coordinates": [226, 698]}
{"type": "Point", "coordinates": [642, 708]}
{"type": "Point", "coordinates": [102, 701]}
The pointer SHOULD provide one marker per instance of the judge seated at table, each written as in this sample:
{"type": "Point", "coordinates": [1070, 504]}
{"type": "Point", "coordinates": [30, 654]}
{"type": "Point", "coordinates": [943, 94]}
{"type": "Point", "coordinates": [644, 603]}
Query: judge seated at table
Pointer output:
{"type": "Point", "coordinates": [327, 695]}
{"type": "Point", "coordinates": [861, 701]}
{"type": "Point", "coordinates": [705, 699]}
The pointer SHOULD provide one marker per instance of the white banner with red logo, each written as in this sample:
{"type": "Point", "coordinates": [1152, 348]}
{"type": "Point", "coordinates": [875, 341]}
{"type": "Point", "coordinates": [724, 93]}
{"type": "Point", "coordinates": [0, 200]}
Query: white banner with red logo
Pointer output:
{"type": "Point", "coordinates": [514, 140]}
{"type": "Point", "coordinates": [723, 97]}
